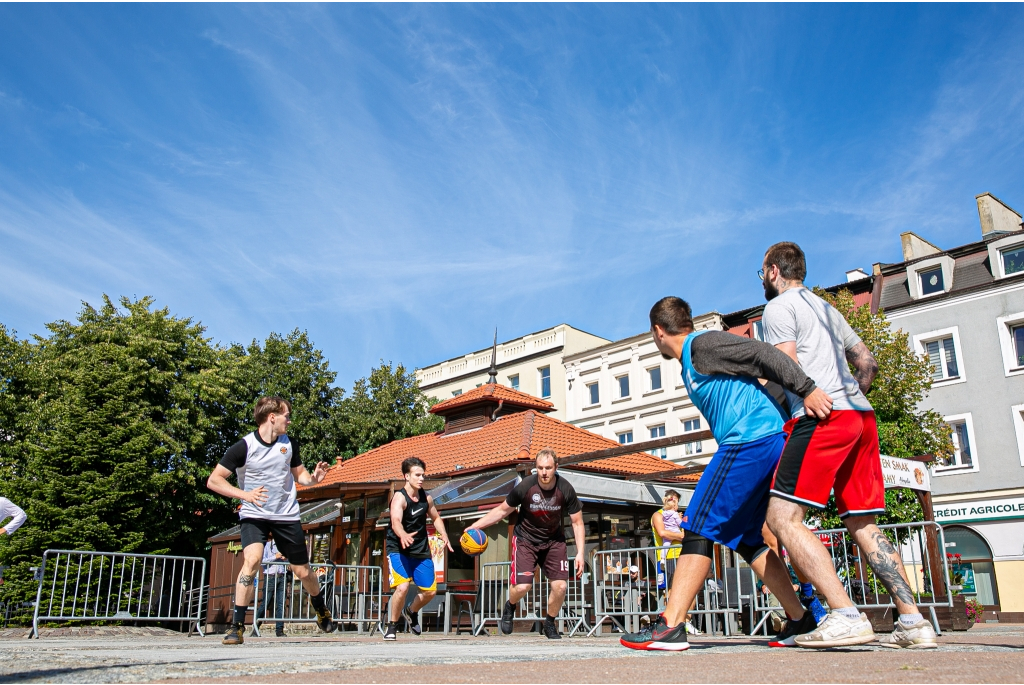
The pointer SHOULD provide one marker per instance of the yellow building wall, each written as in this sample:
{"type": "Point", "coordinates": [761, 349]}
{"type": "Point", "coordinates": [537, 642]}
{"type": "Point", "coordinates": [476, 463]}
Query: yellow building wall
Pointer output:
{"type": "Point", "coordinates": [1010, 583]}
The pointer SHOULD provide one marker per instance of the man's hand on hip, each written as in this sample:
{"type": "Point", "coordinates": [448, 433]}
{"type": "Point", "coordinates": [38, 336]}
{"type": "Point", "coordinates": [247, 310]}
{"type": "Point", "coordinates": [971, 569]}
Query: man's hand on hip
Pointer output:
{"type": "Point", "coordinates": [818, 404]}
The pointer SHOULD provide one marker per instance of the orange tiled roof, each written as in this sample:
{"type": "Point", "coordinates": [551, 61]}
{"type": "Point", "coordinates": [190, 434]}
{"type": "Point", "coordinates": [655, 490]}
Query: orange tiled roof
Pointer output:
{"type": "Point", "coordinates": [511, 439]}
{"type": "Point", "coordinates": [492, 392]}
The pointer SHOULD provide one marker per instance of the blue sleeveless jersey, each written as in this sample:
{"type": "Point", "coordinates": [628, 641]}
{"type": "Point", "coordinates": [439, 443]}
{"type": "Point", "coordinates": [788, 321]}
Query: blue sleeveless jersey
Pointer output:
{"type": "Point", "coordinates": [738, 408]}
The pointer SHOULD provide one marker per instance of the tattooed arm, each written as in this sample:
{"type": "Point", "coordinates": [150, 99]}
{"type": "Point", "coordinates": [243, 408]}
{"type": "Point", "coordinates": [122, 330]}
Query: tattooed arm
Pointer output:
{"type": "Point", "coordinates": [865, 368]}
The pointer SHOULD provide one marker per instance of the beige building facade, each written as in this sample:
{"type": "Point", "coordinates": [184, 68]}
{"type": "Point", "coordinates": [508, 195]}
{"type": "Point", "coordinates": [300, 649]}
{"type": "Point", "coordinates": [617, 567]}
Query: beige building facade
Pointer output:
{"type": "Point", "coordinates": [530, 364]}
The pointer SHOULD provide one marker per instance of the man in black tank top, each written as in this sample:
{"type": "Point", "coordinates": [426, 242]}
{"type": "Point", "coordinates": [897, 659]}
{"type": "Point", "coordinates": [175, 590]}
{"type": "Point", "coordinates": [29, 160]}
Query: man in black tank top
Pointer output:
{"type": "Point", "coordinates": [408, 550]}
{"type": "Point", "coordinates": [543, 500]}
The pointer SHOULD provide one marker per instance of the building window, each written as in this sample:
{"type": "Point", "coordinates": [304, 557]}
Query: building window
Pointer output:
{"type": "Point", "coordinates": [654, 378]}
{"type": "Point", "coordinates": [594, 393]}
{"type": "Point", "coordinates": [944, 354]}
{"type": "Point", "coordinates": [456, 393]}
{"type": "Point", "coordinates": [1017, 337]}
{"type": "Point", "coordinates": [513, 382]}
{"type": "Point", "coordinates": [623, 382]}
{"type": "Point", "coordinates": [545, 382]}
{"type": "Point", "coordinates": [942, 357]}
{"type": "Point", "coordinates": [658, 432]}
{"type": "Point", "coordinates": [757, 330]}
{"type": "Point", "coordinates": [1018, 427]}
{"type": "Point", "coordinates": [965, 457]}
{"type": "Point", "coordinates": [931, 281]}
{"type": "Point", "coordinates": [696, 447]}
{"type": "Point", "coordinates": [1013, 260]}
{"type": "Point", "coordinates": [625, 438]}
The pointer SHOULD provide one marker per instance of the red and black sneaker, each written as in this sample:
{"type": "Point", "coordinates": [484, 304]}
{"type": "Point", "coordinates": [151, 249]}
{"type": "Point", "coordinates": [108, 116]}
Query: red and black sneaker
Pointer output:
{"type": "Point", "coordinates": [658, 636]}
{"type": "Point", "coordinates": [787, 637]}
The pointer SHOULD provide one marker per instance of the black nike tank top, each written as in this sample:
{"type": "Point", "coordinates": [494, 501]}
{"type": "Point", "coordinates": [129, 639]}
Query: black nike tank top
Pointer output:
{"type": "Point", "coordinates": [414, 522]}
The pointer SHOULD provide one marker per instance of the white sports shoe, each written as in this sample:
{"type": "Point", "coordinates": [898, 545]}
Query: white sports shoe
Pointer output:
{"type": "Point", "coordinates": [921, 635]}
{"type": "Point", "coordinates": [838, 631]}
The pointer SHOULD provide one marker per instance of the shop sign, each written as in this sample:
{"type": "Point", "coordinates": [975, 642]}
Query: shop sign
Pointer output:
{"type": "Point", "coordinates": [988, 510]}
{"type": "Point", "coordinates": [966, 573]}
{"type": "Point", "coordinates": [904, 473]}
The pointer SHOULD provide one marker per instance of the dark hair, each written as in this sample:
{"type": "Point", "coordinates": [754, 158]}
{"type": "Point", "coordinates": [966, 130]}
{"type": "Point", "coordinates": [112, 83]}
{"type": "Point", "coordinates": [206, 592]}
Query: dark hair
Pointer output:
{"type": "Point", "coordinates": [674, 493]}
{"type": "Point", "coordinates": [790, 260]}
{"type": "Point", "coordinates": [265, 406]}
{"type": "Point", "coordinates": [673, 315]}
{"type": "Point", "coordinates": [410, 462]}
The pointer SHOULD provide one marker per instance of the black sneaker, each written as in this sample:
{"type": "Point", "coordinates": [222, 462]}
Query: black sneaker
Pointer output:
{"type": "Point", "coordinates": [235, 634]}
{"type": "Point", "coordinates": [279, 633]}
{"type": "Point", "coordinates": [658, 637]}
{"type": "Point", "coordinates": [324, 621]}
{"type": "Point", "coordinates": [390, 632]}
{"type": "Point", "coordinates": [787, 637]}
{"type": "Point", "coordinates": [551, 630]}
{"type": "Point", "coordinates": [507, 614]}
{"type": "Point", "coordinates": [412, 620]}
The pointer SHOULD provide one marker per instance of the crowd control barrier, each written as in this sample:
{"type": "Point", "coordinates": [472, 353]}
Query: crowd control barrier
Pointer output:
{"type": "Point", "coordinates": [921, 546]}
{"type": "Point", "coordinates": [494, 586]}
{"type": "Point", "coordinates": [623, 596]}
{"type": "Point", "coordinates": [110, 586]}
{"type": "Point", "coordinates": [354, 595]}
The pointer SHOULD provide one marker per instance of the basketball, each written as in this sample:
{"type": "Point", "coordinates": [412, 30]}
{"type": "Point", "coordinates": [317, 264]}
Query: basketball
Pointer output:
{"type": "Point", "coordinates": [473, 542]}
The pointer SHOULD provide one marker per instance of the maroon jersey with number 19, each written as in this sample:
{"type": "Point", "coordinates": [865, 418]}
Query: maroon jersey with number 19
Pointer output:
{"type": "Point", "coordinates": [541, 511]}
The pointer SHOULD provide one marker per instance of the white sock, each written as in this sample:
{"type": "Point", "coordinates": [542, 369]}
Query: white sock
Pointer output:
{"type": "Point", "coordinates": [852, 613]}
{"type": "Point", "coordinates": [911, 619]}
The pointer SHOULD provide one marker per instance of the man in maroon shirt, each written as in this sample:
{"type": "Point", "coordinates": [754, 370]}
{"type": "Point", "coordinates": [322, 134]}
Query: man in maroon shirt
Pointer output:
{"type": "Point", "coordinates": [538, 539]}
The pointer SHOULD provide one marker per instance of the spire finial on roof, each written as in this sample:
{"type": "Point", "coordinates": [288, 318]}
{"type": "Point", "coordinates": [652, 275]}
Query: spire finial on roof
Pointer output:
{"type": "Point", "coordinates": [493, 371]}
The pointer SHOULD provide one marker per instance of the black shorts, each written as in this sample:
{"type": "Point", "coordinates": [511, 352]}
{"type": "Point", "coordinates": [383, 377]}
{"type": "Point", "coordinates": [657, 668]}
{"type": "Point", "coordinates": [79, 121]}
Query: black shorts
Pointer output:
{"type": "Point", "coordinates": [526, 556]}
{"type": "Point", "coordinates": [291, 541]}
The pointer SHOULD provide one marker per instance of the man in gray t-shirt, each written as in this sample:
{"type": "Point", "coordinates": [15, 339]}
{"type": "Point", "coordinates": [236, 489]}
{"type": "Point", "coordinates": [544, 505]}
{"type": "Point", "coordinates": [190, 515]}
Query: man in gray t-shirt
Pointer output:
{"type": "Point", "coordinates": [839, 454]}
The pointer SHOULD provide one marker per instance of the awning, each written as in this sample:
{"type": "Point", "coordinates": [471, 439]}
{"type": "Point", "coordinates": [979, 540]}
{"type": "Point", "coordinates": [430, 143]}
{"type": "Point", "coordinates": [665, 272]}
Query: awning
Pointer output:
{"type": "Point", "coordinates": [615, 491]}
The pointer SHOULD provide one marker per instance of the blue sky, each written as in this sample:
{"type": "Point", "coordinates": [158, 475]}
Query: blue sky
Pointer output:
{"type": "Point", "coordinates": [399, 179]}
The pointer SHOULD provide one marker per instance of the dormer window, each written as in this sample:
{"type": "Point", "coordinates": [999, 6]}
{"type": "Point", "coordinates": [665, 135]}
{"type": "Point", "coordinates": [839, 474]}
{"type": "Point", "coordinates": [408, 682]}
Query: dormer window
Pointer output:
{"type": "Point", "coordinates": [930, 277]}
{"type": "Point", "coordinates": [931, 281]}
{"type": "Point", "coordinates": [1013, 259]}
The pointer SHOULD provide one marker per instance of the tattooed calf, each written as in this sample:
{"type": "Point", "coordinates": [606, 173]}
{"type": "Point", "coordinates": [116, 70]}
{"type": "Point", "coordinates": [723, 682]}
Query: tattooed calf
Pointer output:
{"type": "Point", "coordinates": [885, 567]}
{"type": "Point", "coordinates": [246, 580]}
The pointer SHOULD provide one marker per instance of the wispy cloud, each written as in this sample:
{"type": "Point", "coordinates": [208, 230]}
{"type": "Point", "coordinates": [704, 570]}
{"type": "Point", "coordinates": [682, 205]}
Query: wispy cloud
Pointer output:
{"type": "Point", "coordinates": [399, 179]}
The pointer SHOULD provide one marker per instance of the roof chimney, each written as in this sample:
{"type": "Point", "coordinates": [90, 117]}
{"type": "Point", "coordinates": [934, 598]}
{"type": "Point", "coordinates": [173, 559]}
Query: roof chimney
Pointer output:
{"type": "Point", "coordinates": [996, 216]}
{"type": "Point", "coordinates": [856, 275]}
{"type": "Point", "coordinates": [915, 247]}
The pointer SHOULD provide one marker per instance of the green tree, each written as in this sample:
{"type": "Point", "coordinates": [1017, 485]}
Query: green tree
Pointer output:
{"type": "Point", "coordinates": [903, 381]}
{"type": "Point", "coordinates": [120, 409]}
{"type": "Point", "coordinates": [386, 406]}
{"type": "Point", "coordinates": [290, 367]}
{"type": "Point", "coordinates": [15, 356]}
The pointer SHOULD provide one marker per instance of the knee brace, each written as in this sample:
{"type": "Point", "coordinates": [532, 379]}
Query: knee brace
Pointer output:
{"type": "Point", "coordinates": [698, 544]}
{"type": "Point", "coordinates": [751, 552]}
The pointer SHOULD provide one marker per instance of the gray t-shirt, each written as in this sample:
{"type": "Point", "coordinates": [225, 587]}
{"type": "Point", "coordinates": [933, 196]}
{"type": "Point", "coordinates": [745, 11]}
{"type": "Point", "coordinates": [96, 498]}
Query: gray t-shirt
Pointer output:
{"type": "Point", "coordinates": [822, 337]}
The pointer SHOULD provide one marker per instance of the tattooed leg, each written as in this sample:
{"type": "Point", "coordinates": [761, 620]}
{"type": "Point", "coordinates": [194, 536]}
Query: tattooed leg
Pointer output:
{"type": "Point", "coordinates": [885, 561]}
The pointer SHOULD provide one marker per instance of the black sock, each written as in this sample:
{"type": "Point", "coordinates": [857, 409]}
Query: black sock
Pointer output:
{"type": "Point", "coordinates": [318, 602]}
{"type": "Point", "coordinates": [509, 605]}
{"type": "Point", "coordinates": [240, 614]}
{"type": "Point", "coordinates": [414, 617]}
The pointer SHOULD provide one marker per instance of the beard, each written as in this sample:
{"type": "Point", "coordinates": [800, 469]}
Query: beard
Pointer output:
{"type": "Point", "coordinates": [770, 291]}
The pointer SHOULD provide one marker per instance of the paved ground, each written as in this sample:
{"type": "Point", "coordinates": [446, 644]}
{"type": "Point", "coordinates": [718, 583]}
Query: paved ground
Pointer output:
{"type": "Point", "coordinates": [986, 653]}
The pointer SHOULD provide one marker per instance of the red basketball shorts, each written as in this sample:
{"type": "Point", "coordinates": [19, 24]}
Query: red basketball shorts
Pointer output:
{"type": "Point", "coordinates": [838, 454]}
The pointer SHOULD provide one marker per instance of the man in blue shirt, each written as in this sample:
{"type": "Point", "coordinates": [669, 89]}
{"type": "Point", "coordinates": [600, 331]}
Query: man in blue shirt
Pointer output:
{"type": "Point", "coordinates": [721, 372]}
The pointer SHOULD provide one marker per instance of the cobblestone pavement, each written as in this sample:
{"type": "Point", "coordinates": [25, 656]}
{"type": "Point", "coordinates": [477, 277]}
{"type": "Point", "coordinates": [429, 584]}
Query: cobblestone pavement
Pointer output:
{"type": "Point", "coordinates": [987, 653]}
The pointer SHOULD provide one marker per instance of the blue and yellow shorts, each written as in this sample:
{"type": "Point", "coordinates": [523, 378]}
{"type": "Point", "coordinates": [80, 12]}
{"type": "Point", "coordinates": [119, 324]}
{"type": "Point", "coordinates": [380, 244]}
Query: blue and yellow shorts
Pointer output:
{"type": "Point", "coordinates": [405, 568]}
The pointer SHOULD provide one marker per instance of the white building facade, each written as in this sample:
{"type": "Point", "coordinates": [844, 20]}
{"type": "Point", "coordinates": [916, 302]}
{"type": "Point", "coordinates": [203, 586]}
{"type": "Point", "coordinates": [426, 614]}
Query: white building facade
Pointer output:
{"type": "Point", "coordinates": [530, 364]}
{"type": "Point", "coordinates": [628, 392]}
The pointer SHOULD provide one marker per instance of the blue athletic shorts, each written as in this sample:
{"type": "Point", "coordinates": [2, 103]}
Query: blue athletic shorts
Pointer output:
{"type": "Point", "coordinates": [731, 498]}
{"type": "Point", "coordinates": [405, 568]}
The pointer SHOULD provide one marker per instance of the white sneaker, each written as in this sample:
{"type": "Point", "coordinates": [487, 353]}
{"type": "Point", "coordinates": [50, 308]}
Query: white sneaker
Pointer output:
{"type": "Point", "coordinates": [691, 630]}
{"type": "Point", "coordinates": [838, 631]}
{"type": "Point", "coordinates": [921, 635]}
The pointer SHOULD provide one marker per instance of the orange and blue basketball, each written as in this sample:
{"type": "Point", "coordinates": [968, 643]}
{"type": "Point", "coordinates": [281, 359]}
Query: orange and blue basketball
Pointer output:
{"type": "Point", "coordinates": [473, 542]}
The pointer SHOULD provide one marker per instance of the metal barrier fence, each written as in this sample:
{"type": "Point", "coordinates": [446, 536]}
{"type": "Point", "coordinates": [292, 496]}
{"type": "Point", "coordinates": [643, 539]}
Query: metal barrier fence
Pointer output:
{"type": "Point", "coordinates": [354, 594]}
{"type": "Point", "coordinates": [112, 586]}
{"type": "Point", "coordinates": [624, 597]}
{"type": "Point", "coordinates": [494, 587]}
{"type": "Point", "coordinates": [921, 546]}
